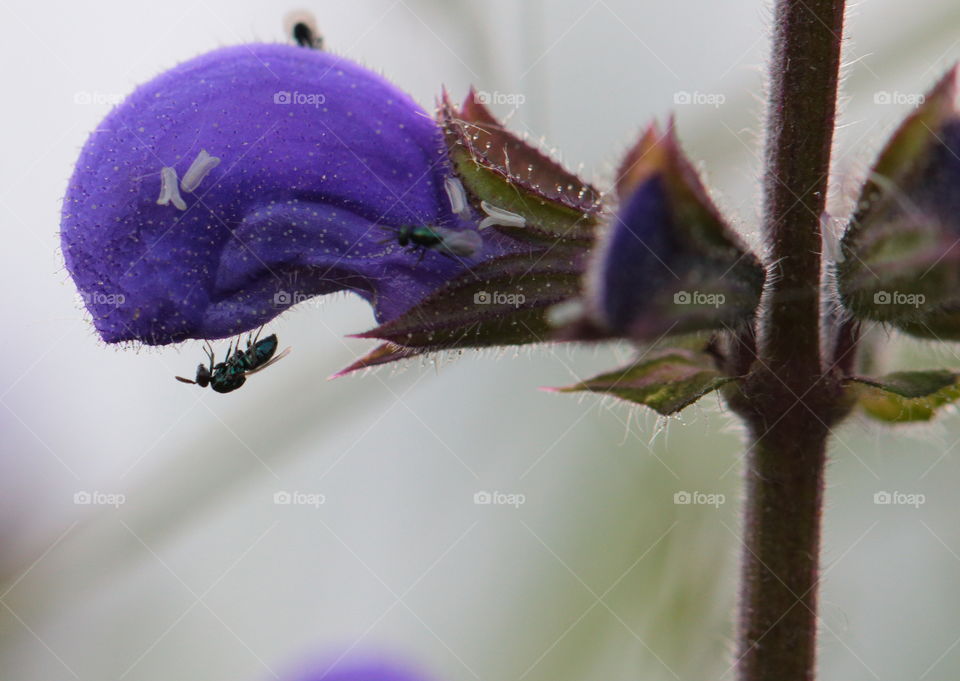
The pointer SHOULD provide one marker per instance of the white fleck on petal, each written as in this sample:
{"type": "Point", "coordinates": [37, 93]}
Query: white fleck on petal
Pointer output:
{"type": "Point", "coordinates": [565, 313]}
{"type": "Point", "coordinates": [457, 195]}
{"type": "Point", "coordinates": [499, 216]}
{"type": "Point", "coordinates": [169, 193]}
{"type": "Point", "coordinates": [198, 170]}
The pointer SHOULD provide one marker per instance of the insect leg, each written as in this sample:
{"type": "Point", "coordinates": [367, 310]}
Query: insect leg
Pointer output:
{"type": "Point", "coordinates": [209, 351]}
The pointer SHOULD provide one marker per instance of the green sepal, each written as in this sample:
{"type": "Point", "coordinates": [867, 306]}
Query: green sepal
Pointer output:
{"type": "Point", "coordinates": [384, 353]}
{"type": "Point", "coordinates": [499, 302]}
{"type": "Point", "coordinates": [501, 169]}
{"type": "Point", "coordinates": [667, 383]}
{"type": "Point", "coordinates": [905, 396]}
{"type": "Point", "coordinates": [900, 264]}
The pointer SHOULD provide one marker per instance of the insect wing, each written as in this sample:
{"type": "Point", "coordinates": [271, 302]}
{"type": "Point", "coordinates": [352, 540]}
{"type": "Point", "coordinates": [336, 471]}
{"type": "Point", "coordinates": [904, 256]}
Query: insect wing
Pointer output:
{"type": "Point", "coordinates": [463, 243]}
{"type": "Point", "coordinates": [276, 359]}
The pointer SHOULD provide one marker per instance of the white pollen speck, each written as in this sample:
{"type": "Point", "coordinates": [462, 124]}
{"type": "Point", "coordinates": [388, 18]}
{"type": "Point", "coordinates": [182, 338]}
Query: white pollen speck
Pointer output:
{"type": "Point", "coordinates": [199, 169]}
{"type": "Point", "coordinates": [169, 193]}
{"type": "Point", "coordinates": [457, 195]}
{"type": "Point", "coordinates": [499, 216]}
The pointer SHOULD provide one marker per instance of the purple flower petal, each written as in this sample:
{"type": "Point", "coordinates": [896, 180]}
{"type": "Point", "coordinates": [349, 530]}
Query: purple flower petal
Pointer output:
{"type": "Point", "coordinates": [294, 168]}
{"type": "Point", "coordinates": [641, 242]}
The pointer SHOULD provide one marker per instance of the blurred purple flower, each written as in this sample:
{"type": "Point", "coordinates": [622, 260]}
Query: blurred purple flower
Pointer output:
{"type": "Point", "coordinates": [373, 669]}
{"type": "Point", "coordinates": [247, 179]}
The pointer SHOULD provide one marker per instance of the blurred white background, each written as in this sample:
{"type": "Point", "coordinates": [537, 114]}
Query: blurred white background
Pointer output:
{"type": "Point", "coordinates": [599, 574]}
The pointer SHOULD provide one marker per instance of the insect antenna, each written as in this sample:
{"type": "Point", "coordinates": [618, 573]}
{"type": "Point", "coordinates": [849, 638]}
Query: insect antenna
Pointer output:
{"type": "Point", "coordinates": [393, 234]}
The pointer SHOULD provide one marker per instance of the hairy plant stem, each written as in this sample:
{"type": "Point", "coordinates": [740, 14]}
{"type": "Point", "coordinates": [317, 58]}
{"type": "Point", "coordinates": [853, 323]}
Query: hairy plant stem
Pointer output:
{"type": "Point", "coordinates": [789, 398]}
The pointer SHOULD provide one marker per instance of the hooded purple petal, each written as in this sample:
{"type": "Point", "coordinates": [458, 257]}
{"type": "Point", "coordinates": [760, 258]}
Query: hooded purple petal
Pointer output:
{"type": "Point", "coordinates": [292, 171]}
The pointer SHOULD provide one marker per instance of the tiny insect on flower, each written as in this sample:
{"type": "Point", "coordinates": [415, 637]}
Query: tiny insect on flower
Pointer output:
{"type": "Point", "coordinates": [302, 27]}
{"type": "Point", "coordinates": [227, 376]}
{"type": "Point", "coordinates": [449, 242]}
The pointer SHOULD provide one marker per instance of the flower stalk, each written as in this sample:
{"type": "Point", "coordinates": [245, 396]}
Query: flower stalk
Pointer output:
{"type": "Point", "coordinates": [790, 397]}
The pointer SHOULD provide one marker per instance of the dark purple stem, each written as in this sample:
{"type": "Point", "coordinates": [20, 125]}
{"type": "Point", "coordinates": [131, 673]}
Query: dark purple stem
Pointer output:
{"type": "Point", "coordinates": [789, 398]}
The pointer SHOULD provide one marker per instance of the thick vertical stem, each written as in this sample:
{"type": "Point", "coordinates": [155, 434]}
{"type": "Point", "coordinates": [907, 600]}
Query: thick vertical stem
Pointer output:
{"type": "Point", "coordinates": [787, 398]}
{"type": "Point", "coordinates": [804, 72]}
{"type": "Point", "coordinates": [784, 495]}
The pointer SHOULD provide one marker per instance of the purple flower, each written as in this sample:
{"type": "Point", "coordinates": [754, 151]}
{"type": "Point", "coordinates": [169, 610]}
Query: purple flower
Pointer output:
{"type": "Point", "coordinates": [242, 181]}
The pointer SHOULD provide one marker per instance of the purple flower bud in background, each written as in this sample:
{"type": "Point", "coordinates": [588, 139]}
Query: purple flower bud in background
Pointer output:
{"type": "Point", "coordinates": [667, 261]}
{"type": "Point", "coordinates": [901, 261]}
{"type": "Point", "coordinates": [247, 179]}
{"type": "Point", "coordinates": [640, 242]}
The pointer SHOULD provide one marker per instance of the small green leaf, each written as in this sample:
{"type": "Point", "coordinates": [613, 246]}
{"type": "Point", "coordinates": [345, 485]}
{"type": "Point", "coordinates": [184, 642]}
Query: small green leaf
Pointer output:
{"type": "Point", "coordinates": [906, 396]}
{"type": "Point", "coordinates": [667, 383]}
